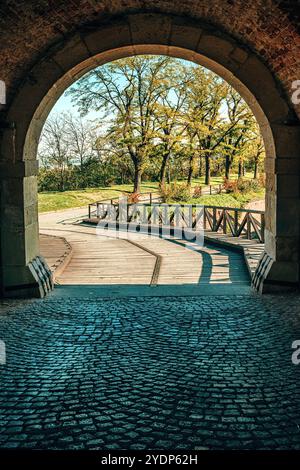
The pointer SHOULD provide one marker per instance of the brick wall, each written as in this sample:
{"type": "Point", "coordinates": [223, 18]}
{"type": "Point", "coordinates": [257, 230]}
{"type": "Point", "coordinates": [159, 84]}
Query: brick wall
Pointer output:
{"type": "Point", "coordinates": [28, 28]}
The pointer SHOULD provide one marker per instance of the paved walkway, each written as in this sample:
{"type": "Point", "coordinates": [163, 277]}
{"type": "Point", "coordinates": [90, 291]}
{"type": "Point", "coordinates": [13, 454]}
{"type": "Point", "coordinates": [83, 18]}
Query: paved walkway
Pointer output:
{"type": "Point", "coordinates": [150, 373]}
{"type": "Point", "coordinates": [92, 368]}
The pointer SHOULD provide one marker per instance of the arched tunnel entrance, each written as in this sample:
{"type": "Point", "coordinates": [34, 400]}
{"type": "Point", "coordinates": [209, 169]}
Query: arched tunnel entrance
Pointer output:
{"type": "Point", "coordinates": [137, 373]}
{"type": "Point", "coordinates": [23, 271]}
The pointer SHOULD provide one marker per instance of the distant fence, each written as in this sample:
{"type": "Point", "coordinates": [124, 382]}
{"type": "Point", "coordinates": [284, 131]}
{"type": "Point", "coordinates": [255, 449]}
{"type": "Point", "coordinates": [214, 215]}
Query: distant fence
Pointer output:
{"type": "Point", "coordinates": [246, 223]}
{"type": "Point", "coordinates": [210, 189]}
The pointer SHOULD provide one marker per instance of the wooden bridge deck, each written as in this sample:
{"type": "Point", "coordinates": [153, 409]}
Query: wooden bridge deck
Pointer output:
{"type": "Point", "coordinates": [141, 260]}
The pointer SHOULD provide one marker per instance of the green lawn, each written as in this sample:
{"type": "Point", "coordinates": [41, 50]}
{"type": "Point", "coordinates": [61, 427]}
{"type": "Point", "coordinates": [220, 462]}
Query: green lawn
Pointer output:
{"type": "Point", "coordinates": [53, 201]}
{"type": "Point", "coordinates": [228, 200]}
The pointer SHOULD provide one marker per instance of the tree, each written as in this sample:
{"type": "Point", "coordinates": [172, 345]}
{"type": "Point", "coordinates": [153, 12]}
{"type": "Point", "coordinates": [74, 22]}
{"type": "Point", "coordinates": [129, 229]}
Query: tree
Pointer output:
{"type": "Point", "coordinates": [157, 118]}
{"type": "Point", "coordinates": [54, 150]}
{"type": "Point", "coordinates": [258, 155]}
{"type": "Point", "coordinates": [128, 88]}
{"type": "Point", "coordinates": [206, 95]}
{"type": "Point", "coordinates": [81, 137]}
{"type": "Point", "coordinates": [254, 151]}
{"type": "Point", "coordinates": [239, 122]}
{"type": "Point", "coordinates": [168, 114]}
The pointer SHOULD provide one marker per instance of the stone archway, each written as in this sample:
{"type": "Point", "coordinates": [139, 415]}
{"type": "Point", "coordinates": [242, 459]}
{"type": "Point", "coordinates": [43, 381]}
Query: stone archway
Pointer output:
{"type": "Point", "coordinates": [23, 271]}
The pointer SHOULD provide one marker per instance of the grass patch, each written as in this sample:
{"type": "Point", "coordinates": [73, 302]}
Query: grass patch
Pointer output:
{"type": "Point", "coordinates": [236, 200]}
{"type": "Point", "coordinates": [53, 201]}
{"type": "Point", "coordinates": [226, 200]}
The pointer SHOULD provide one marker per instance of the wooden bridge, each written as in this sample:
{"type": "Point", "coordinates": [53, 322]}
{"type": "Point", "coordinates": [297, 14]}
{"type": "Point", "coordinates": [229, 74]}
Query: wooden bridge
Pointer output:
{"type": "Point", "coordinates": [245, 223]}
{"type": "Point", "coordinates": [83, 254]}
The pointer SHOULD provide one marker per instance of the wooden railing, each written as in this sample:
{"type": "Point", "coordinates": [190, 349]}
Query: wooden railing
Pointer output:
{"type": "Point", "coordinates": [246, 223]}
{"type": "Point", "coordinates": [154, 196]}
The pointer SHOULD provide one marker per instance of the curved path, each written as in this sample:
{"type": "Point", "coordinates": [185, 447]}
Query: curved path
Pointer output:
{"type": "Point", "coordinates": [108, 258]}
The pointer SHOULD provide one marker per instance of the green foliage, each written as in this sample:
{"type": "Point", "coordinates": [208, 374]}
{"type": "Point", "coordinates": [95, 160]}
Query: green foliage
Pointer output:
{"type": "Point", "coordinates": [90, 175]}
{"type": "Point", "coordinates": [242, 185]}
{"type": "Point", "coordinates": [175, 192]}
{"type": "Point", "coordinates": [49, 180]}
{"type": "Point", "coordinates": [222, 200]}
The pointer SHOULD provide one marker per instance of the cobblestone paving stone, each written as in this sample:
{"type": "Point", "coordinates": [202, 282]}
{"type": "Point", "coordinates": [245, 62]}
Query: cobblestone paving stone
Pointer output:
{"type": "Point", "coordinates": [150, 373]}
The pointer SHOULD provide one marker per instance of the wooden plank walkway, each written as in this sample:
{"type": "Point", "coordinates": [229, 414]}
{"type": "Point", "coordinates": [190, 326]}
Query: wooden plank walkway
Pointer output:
{"type": "Point", "coordinates": [56, 250]}
{"type": "Point", "coordinates": [104, 260]}
{"type": "Point", "coordinates": [251, 249]}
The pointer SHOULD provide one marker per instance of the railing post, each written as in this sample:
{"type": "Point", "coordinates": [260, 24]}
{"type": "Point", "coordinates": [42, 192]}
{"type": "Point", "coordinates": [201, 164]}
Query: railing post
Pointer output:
{"type": "Point", "coordinates": [89, 211]}
{"type": "Point", "coordinates": [224, 222]}
{"type": "Point", "coordinates": [248, 227]}
{"type": "Point", "coordinates": [236, 222]}
{"type": "Point", "coordinates": [214, 219]}
{"type": "Point", "coordinates": [263, 225]}
{"type": "Point", "coordinates": [210, 190]}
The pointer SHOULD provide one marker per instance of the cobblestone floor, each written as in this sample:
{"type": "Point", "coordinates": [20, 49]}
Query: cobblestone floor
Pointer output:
{"type": "Point", "coordinates": [152, 373]}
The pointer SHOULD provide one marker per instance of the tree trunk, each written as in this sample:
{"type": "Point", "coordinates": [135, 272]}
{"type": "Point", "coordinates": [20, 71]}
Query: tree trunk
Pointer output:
{"type": "Point", "coordinates": [163, 170]}
{"type": "Point", "coordinates": [240, 173]}
{"type": "Point", "coordinates": [200, 167]}
{"type": "Point", "coordinates": [62, 180]}
{"type": "Point", "coordinates": [227, 167]}
{"type": "Point", "coordinates": [191, 171]}
{"type": "Point", "coordinates": [255, 175]}
{"type": "Point", "coordinates": [169, 173]}
{"type": "Point", "coordinates": [137, 179]}
{"type": "Point", "coordinates": [207, 170]}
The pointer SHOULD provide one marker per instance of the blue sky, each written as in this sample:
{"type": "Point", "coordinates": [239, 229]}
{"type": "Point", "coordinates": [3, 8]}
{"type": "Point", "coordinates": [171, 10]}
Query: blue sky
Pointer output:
{"type": "Point", "coordinates": [64, 105]}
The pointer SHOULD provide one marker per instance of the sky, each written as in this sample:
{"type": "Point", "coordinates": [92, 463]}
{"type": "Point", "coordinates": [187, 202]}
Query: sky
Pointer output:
{"type": "Point", "coordinates": [64, 105]}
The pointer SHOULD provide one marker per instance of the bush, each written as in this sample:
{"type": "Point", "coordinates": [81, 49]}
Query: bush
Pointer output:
{"type": "Point", "coordinates": [230, 186]}
{"type": "Point", "coordinates": [133, 198]}
{"type": "Point", "coordinates": [197, 192]}
{"type": "Point", "coordinates": [242, 186]}
{"type": "Point", "coordinates": [53, 180]}
{"type": "Point", "coordinates": [175, 193]}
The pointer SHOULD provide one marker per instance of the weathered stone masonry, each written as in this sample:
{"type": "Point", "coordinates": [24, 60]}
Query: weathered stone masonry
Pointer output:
{"type": "Point", "coordinates": [45, 46]}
